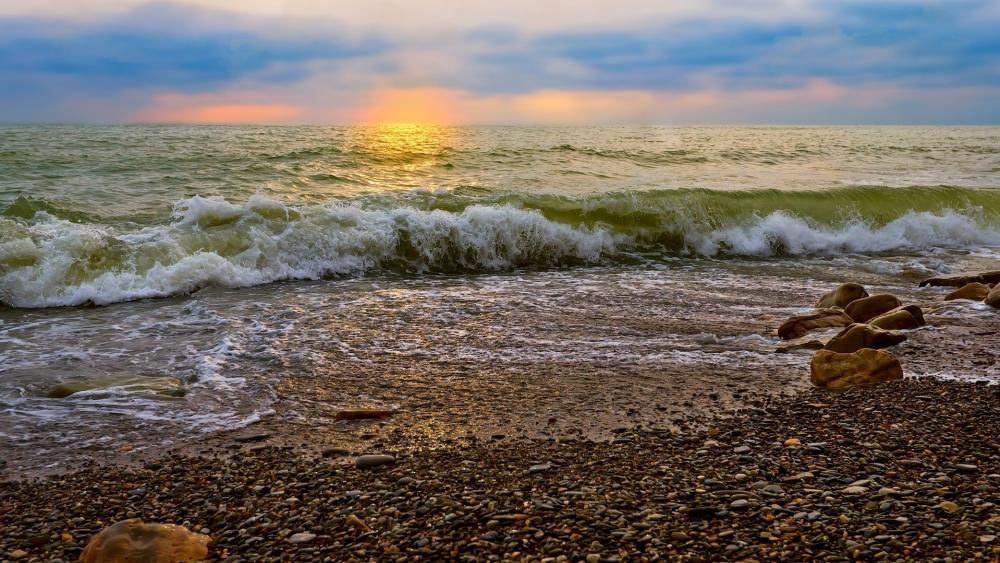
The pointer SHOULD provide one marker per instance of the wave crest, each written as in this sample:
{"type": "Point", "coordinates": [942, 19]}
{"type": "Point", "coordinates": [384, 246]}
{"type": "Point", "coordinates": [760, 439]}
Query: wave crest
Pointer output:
{"type": "Point", "coordinates": [51, 261]}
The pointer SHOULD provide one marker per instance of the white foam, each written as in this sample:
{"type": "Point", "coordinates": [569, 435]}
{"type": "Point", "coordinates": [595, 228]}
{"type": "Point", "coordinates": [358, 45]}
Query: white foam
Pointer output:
{"type": "Point", "coordinates": [782, 232]}
{"type": "Point", "coordinates": [213, 242]}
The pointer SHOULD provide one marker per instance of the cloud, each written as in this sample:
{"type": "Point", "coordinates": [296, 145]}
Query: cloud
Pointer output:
{"type": "Point", "coordinates": [559, 61]}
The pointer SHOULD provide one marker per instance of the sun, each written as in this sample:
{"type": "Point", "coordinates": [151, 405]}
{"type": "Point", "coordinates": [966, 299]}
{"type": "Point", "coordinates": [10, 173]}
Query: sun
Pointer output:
{"type": "Point", "coordinates": [410, 106]}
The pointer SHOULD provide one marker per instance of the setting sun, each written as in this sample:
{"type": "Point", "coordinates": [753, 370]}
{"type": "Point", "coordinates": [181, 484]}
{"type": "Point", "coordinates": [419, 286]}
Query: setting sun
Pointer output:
{"type": "Point", "coordinates": [411, 106]}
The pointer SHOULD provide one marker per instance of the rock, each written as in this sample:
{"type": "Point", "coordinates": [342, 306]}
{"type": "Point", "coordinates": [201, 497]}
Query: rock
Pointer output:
{"type": "Point", "coordinates": [538, 468]}
{"type": "Point", "coordinates": [855, 490]}
{"type": "Point", "coordinates": [18, 554]}
{"type": "Point", "coordinates": [357, 523]}
{"type": "Point", "coordinates": [792, 442]}
{"type": "Point", "coordinates": [858, 336]}
{"type": "Point", "coordinates": [948, 505]}
{"type": "Point", "coordinates": [301, 537]}
{"type": "Point", "coordinates": [993, 297]}
{"type": "Point", "coordinates": [974, 291]}
{"type": "Point", "coordinates": [799, 325]}
{"type": "Point", "coordinates": [363, 414]}
{"type": "Point", "coordinates": [837, 371]}
{"type": "Point", "coordinates": [864, 310]}
{"type": "Point", "coordinates": [373, 460]}
{"type": "Point", "coordinates": [842, 296]}
{"type": "Point", "coordinates": [989, 278]}
{"type": "Point", "coordinates": [698, 512]}
{"type": "Point", "coordinates": [739, 504]}
{"type": "Point", "coordinates": [259, 437]}
{"type": "Point", "coordinates": [133, 540]}
{"type": "Point", "coordinates": [803, 343]}
{"type": "Point", "coordinates": [901, 318]}
{"type": "Point", "coordinates": [966, 468]}
{"type": "Point", "coordinates": [145, 385]}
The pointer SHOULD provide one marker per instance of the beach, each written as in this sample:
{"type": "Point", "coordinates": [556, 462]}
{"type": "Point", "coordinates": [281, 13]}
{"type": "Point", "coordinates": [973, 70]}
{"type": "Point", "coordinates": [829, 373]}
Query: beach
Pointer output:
{"type": "Point", "coordinates": [566, 338]}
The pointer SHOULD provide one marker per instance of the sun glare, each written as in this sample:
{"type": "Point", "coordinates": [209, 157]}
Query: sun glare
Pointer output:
{"type": "Point", "coordinates": [420, 106]}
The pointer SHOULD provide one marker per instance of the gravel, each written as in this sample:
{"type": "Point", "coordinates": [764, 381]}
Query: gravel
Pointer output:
{"type": "Point", "coordinates": [908, 470]}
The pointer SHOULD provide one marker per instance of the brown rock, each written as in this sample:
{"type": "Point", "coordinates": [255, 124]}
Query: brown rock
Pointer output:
{"type": "Point", "coordinates": [901, 318]}
{"type": "Point", "coordinates": [132, 541]}
{"type": "Point", "coordinates": [858, 336]}
{"type": "Point", "coordinates": [864, 310]}
{"type": "Point", "coordinates": [993, 298]}
{"type": "Point", "coordinates": [866, 367]}
{"type": "Point", "coordinates": [803, 343]}
{"type": "Point", "coordinates": [975, 291]}
{"type": "Point", "coordinates": [362, 414]}
{"type": "Point", "coordinates": [842, 296]}
{"type": "Point", "coordinates": [989, 278]}
{"type": "Point", "coordinates": [799, 325]}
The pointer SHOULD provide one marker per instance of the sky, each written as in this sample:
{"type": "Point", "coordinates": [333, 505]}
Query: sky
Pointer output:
{"type": "Point", "coordinates": [490, 62]}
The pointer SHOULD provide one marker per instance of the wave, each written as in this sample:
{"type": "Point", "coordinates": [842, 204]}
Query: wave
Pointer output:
{"type": "Point", "coordinates": [51, 261]}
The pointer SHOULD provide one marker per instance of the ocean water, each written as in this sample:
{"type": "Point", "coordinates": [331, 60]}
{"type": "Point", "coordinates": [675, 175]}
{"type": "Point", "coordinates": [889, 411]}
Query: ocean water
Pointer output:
{"type": "Point", "coordinates": [162, 282]}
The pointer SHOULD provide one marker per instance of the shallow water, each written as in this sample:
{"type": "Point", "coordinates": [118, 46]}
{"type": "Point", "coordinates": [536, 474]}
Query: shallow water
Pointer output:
{"type": "Point", "coordinates": [455, 274]}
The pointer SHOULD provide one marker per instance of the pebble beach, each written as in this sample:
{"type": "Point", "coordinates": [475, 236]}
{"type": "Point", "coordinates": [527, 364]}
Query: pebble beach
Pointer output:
{"type": "Point", "coordinates": [908, 470]}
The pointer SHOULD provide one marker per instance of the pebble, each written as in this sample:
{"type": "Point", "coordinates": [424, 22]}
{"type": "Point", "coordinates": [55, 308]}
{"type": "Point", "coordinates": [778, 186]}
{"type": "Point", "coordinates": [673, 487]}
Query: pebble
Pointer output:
{"type": "Point", "coordinates": [374, 460]}
{"type": "Point", "coordinates": [644, 496]}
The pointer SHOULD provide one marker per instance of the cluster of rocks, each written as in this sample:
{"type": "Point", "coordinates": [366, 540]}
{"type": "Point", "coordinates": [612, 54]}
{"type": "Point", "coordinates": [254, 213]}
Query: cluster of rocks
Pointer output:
{"type": "Point", "coordinates": [900, 472]}
{"type": "Point", "coordinates": [856, 356]}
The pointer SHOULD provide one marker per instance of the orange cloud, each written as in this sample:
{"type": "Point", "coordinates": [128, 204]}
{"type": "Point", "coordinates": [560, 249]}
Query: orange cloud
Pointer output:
{"type": "Point", "coordinates": [199, 109]}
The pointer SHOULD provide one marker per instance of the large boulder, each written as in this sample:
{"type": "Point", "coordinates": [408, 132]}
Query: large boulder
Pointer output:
{"type": "Point", "coordinates": [989, 278]}
{"type": "Point", "coordinates": [837, 371]}
{"type": "Point", "coordinates": [906, 317]}
{"type": "Point", "coordinates": [858, 336]}
{"type": "Point", "coordinates": [799, 325]}
{"type": "Point", "coordinates": [975, 291]}
{"type": "Point", "coordinates": [842, 296]}
{"type": "Point", "coordinates": [866, 309]}
{"type": "Point", "coordinates": [993, 298]}
{"type": "Point", "coordinates": [133, 541]}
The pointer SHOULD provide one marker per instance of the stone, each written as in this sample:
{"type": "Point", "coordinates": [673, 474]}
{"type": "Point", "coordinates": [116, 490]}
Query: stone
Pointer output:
{"type": "Point", "coordinates": [988, 278]}
{"type": "Point", "coordinates": [357, 523]}
{"type": "Point", "coordinates": [792, 442]}
{"type": "Point", "coordinates": [948, 505]}
{"type": "Point", "coordinates": [18, 554]}
{"type": "Point", "coordinates": [836, 371]}
{"type": "Point", "coordinates": [966, 467]}
{"type": "Point", "coordinates": [866, 309]}
{"type": "Point", "coordinates": [301, 537]}
{"type": "Point", "coordinates": [374, 460]}
{"type": "Point", "coordinates": [842, 296]}
{"type": "Point", "coordinates": [858, 336]}
{"type": "Point", "coordinates": [974, 291]}
{"type": "Point", "coordinates": [363, 414]}
{"type": "Point", "coordinates": [799, 325]}
{"type": "Point", "coordinates": [134, 541]}
{"type": "Point", "coordinates": [803, 343]}
{"type": "Point", "coordinates": [907, 317]}
{"type": "Point", "coordinates": [855, 490]}
{"type": "Point", "coordinates": [993, 297]}
{"type": "Point", "coordinates": [540, 467]}
{"type": "Point", "coordinates": [168, 387]}
{"type": "Point", "coordinates": [739, 504]}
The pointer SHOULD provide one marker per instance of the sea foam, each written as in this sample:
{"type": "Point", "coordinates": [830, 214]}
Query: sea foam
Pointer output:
{"type": "Point", "coordinates": [49, 261]}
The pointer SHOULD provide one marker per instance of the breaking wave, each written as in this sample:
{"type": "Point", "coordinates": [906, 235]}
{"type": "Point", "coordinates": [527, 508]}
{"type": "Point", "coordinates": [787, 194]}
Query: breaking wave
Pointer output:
{"type": "Point", "coordinates": [47, 260]}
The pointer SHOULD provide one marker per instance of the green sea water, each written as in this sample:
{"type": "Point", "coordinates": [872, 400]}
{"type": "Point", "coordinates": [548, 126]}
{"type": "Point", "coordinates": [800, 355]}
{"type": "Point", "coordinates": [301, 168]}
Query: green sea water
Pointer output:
{"type": "Point", "coordinates": [96, 214]}
{"type": "Point", "coordinates": [242, 273]}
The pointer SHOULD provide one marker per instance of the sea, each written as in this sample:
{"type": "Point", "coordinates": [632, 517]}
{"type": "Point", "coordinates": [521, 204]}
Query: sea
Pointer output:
{"type": "Point", "coordinates": [161, 283]}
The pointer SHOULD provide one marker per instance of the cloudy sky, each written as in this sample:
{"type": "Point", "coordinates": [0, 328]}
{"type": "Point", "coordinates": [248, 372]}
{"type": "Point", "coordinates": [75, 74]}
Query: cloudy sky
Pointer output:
{"type": "Point", "coordinates": [500, 62]}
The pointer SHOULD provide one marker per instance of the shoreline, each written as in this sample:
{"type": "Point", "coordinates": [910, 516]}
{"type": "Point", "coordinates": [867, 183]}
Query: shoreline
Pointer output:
{"type": "Point", "coordinates": [909, 469]}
